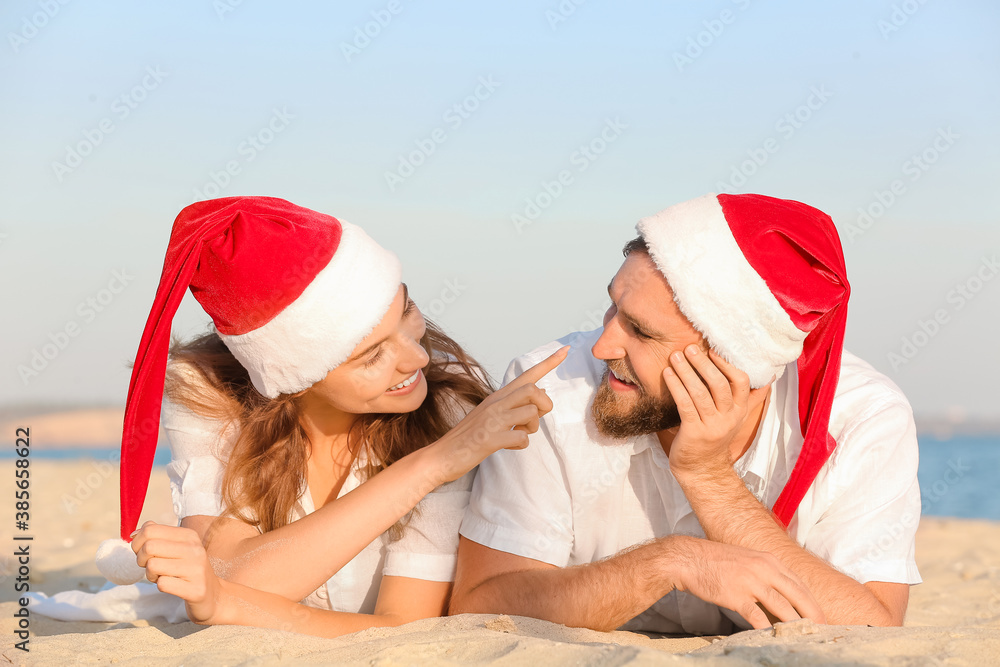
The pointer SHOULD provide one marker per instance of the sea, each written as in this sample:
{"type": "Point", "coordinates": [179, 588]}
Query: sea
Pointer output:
{"type": "Point", "coordinates": [959, 477]}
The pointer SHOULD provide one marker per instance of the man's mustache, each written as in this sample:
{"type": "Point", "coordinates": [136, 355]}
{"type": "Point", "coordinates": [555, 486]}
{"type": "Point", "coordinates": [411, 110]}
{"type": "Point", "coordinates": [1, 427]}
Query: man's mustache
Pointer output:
{"type": "Point", "coordinates": [623, 370]}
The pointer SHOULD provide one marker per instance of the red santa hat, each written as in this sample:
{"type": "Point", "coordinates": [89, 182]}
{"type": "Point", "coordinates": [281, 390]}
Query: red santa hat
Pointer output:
{"type": "Point", "coordinates": [290, 291]}
{"type": "Point", "coordinates": [764, 281]}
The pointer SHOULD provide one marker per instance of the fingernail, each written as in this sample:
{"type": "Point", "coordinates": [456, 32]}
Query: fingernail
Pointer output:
{"type": "Point", "coordinates": [134, 533]}
{"type": "Point", "coordinates": [668, 370]}
{"type": "Point", "coordinates": [692, 350]}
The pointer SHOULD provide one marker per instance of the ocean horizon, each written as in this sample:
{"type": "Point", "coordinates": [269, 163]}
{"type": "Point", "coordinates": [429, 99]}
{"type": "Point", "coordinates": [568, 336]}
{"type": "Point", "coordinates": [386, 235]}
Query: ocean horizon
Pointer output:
{"type": "Point", "coordinates": [959, 476]}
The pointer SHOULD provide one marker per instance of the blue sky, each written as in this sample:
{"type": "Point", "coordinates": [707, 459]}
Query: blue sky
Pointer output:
{"type": "Point", "coordinates": [834, 104]}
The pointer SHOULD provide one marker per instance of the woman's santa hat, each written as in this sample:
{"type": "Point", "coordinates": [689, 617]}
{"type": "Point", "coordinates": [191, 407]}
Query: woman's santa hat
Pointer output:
{"type": "Point", "coordinates": [764, 281]}
{"type": "Point", "coordinates": [290, 291]}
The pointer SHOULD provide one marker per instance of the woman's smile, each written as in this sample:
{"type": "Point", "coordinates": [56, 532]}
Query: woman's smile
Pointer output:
{"type": "Point", "coordinates": [406, 386]}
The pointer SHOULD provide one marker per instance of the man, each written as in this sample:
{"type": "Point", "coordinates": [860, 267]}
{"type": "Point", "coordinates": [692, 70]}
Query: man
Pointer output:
{"type": "Point", "coordinates": [714, 459]}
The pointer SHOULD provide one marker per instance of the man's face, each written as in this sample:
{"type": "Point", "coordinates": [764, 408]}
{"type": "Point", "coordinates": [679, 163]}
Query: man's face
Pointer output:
{"type": "Point", "coordinates": [642, 328]}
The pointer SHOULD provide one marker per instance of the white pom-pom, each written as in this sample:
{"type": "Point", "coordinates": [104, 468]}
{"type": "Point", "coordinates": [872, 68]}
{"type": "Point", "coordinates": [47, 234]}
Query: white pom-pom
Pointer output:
{"type": "Point", "coordinates": [116, 561]}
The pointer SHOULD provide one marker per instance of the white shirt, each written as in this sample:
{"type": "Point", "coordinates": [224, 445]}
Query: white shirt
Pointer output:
{"type": "Point", "coordinates": [427, 549]}
{"type": "Point", "coordinates": [576, 496]}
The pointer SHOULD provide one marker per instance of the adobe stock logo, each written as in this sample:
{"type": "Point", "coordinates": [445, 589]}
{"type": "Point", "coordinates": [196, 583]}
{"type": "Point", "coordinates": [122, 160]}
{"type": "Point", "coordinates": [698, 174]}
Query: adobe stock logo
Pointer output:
{"type": "Point", "coordinates": [698, 43]}
{"type": "Point", "coordinates": [454, 116]}
{"type": "Point", "coordinates": [582, 158]}
{"type": "Point", "coordinates": [900, 16]}
{"type": "Point", "coordinates": [87, 311]}
{"type": "Point", "coordinates": [31, 25]}
{"type": "Point", "coordinates": [121, 108]}
{"type": "Point", "coordinates": [365, 34]}
{"type": "Point", "coordinates": [914, 169]}
{"type": "Point", "coordinates": [958, 297]}
{"type": "Point", "coordinates": [562, 12]}
{"type": "Point", "coordinates": [246, 152]}
{"type": "Point", "coordinates": [787, 126]}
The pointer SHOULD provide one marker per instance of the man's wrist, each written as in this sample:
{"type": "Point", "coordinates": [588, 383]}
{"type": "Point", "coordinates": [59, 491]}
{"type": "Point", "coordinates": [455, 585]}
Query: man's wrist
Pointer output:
{"type": "Point", "coordinates": [674, 556]}
{"type": "Point", "coordinates": [714, 494]}
{"type": "Point", "coordinates": [709, 475]}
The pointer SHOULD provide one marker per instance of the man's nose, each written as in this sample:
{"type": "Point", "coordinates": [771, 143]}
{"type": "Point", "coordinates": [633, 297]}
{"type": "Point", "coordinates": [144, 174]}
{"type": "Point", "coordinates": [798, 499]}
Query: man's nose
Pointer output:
{"type": "Point", "coordinates": [610, 344]}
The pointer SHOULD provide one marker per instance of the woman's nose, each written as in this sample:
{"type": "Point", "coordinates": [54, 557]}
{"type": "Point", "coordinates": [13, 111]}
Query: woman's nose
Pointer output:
{"type": "Point", "coordinates": [413, 357]}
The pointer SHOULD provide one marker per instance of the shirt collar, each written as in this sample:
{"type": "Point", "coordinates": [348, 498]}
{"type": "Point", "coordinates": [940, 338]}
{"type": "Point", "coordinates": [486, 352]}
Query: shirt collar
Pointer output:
{"type": "Point", "coordinates": [756, 461]}
{"type": "Point", "coordinates": [652, 443]}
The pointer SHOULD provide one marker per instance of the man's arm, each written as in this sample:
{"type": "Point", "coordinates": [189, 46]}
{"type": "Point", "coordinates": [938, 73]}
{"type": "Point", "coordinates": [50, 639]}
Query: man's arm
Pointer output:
{"type": "Point", "coordinates": [713, 405]}
{"type": "Point", "coordinates": [606, 594]}
{"type": "Point", "coordinates": [729, 513]}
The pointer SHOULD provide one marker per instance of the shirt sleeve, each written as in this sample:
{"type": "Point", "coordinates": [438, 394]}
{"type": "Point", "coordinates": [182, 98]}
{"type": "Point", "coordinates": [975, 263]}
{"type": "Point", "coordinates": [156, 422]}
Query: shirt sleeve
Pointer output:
{"type": "Point", "coordinates": [195, 470]}
{"type": "Point", "coordinates": [428, 548]}
{"type": "Point", "coordinates": [868, 529]}
{"type": "Point", "coordinates": [520, 501]}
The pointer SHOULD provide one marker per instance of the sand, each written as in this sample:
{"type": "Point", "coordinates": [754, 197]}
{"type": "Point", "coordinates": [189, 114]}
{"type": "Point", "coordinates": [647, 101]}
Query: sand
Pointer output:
{"type": "Point", "coordinates": [954, 616]}
{"type": "Point", "coordinates": [85, 427]}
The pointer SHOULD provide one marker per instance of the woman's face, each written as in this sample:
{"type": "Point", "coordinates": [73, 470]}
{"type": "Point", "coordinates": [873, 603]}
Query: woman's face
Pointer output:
{"type": "Point", "coordinates": [384, 372]}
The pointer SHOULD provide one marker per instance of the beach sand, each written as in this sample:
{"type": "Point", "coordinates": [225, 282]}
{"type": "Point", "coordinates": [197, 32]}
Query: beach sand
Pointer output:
{"type": "Point", "coordinates": [954, 616]}
{"type": "Point", "coordinates": [68, 429]}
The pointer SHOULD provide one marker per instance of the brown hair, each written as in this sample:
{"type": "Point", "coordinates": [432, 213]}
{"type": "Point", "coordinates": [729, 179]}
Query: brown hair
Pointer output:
{"type": "Point", "coordinates": [638, 243]}
{"type": "Point", "coordinates": [267, 463]}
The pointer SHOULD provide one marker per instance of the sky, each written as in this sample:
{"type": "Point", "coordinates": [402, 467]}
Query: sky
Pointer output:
{"type": "Point", "coordinates": [505, 152]}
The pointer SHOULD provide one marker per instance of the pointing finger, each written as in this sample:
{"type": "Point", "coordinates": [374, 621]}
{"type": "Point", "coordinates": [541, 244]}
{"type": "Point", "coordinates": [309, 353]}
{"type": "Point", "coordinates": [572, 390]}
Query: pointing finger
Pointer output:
{"type": "Point", "coordinates": [539, 370]}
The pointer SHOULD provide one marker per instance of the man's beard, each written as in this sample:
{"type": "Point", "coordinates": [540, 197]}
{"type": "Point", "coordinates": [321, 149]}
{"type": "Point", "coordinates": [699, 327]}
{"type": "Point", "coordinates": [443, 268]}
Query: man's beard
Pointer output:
{"type": "Point", "coordinates": [639, 414]}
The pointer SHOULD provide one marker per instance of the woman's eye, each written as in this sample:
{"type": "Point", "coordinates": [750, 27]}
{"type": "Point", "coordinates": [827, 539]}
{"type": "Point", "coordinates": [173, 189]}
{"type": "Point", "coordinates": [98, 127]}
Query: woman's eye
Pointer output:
{"type": "Point", "coordinates": [410, 307]}
{"type": "Point", "coordinates": [374, 359]}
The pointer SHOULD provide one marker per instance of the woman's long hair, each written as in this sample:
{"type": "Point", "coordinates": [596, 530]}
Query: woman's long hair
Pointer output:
{"type": "Point", "coordinates": [266, 466]}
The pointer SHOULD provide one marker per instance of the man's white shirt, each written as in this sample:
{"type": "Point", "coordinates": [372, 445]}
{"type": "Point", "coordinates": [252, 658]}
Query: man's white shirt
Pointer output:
{"type": "Point", "coordinates": [575, 496]}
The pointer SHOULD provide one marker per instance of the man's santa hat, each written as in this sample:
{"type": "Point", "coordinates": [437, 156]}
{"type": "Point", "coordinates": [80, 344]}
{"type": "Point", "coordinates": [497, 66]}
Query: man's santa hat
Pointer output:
{"type": "Point", "coordinates": [290, 291]}
{"type": "Point", "coordinates": [764, 281]}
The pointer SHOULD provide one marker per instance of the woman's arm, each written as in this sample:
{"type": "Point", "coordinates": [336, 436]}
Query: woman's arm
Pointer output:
{"type": "Point", "coordinates": [178, 564]}
{"type": "Point", "coordinates": [292, 561]}
{"type": "Point", "coordinates": [284, 561]}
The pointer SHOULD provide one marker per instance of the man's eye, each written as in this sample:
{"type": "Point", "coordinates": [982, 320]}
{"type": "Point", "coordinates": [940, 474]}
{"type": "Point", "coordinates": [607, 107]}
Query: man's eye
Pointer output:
{"type": "Point", "coordinates": [639, 333]}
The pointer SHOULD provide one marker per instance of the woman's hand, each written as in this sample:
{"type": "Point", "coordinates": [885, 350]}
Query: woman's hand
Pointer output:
{"type": "Point", "coordinates": [502, 421]}
{"type": "Point", "coordinates": [176, 562]}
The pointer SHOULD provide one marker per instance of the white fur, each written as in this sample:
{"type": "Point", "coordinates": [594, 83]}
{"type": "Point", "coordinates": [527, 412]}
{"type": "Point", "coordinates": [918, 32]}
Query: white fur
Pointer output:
{"type": "Point", "coordinates": [116, 561]}
{"type": "Point", "coordinates": [317, 332]}
{"type": "Point", "coordinates": [719, 291]}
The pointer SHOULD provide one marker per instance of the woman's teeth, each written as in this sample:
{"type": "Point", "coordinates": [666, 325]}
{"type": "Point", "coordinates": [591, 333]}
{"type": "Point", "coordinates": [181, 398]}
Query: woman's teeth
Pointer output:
{"type": "Point", "coordinates": [406, 383]}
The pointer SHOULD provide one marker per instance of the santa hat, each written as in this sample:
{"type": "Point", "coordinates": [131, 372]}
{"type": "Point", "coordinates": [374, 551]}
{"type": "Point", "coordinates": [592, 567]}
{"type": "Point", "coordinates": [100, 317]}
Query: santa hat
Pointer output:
{"type": "Point", "coordinates": [290, 291]}
{"type": "Point", "coordinates": [764, 281]}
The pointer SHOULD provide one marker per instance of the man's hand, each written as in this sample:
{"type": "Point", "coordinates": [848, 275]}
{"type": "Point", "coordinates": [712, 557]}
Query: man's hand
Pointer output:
{"type": "Point", "coordinates": [719, 417]}
{"type": "Point", "coordinates": [751, 583]}
{"type": "Point", "coordinates": [608, 593]}
{"type": "Point", "coordinates": [713, 399]}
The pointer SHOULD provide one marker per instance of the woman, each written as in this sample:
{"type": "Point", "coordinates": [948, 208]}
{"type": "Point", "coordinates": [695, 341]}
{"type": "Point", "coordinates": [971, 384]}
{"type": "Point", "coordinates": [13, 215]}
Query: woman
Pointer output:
{"type": "Point", "coordinates": [323, 388]}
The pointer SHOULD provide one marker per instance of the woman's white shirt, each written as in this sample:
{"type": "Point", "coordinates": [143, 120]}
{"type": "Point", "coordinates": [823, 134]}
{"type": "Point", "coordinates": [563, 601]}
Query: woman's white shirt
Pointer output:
{"type": "Point", "coordinates": [427, 549]}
